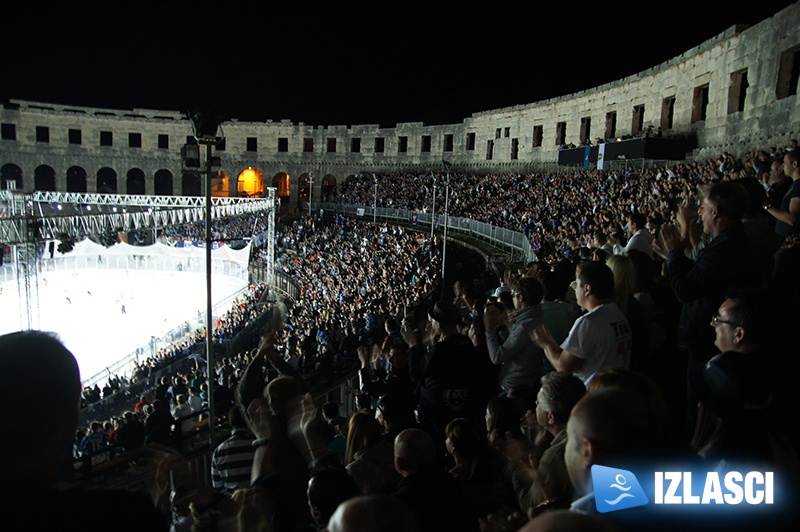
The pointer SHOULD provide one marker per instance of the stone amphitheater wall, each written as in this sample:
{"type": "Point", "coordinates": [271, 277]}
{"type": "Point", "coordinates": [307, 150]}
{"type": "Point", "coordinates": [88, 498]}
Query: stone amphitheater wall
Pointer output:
{"type": "Point", "coordinates": [705, 82]}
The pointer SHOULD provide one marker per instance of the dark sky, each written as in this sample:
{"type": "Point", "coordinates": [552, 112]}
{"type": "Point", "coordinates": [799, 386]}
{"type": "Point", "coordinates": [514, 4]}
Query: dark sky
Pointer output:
{"type": "Point", "coordinates": [329, 63]}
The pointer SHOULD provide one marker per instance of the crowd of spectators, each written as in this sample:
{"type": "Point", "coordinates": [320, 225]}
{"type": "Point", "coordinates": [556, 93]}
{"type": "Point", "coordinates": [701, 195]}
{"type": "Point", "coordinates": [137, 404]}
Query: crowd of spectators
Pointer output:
{"type": "Point", "coordinates": [667, 347]}
{"type": "Point", "coordinates": [223, 229]}
{"type": "Point", "coordinates": [561, 211]}
{"type": "Point", "coordinates": [343, 299]}
{"type": "Point", "coordinates": [351, 276]}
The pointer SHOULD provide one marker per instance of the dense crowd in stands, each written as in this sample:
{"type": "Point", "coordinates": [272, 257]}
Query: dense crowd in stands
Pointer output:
{"type": "Point", "coordinates": [329, 259]}
{"type": "Point", "coordinates": [560, 211]}
{"type": "Point", "coordinates": [349, 274]}
{"type": "Point", "coordinates": [225, 229]}
{"type": "Point", "coordinates": [653, 334]}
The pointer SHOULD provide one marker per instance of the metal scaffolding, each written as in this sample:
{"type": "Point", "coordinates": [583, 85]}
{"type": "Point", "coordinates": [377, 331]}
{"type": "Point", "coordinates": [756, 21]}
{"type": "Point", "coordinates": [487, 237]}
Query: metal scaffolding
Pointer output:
{"type": "Point", "coordinates": [27, 219]}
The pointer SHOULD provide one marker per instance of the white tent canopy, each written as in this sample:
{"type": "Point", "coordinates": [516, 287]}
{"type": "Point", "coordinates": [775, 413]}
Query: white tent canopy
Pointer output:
{"type": "Point", "coordinates": [88, 247]}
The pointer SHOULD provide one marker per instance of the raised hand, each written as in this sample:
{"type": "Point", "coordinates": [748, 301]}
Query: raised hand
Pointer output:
{"type": "Point", "coordinates": [260, 419]}
{"type": "Point", "coordinates": [541, 336]}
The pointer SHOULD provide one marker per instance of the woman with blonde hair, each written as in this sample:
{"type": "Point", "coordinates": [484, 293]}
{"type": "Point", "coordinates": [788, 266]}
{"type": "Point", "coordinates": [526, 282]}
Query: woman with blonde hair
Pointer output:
{"type": "Point", "coordinates": [624, 280]}
{"type": "Point", "coordinates": [369, 457]}
{"type": "Point", "coordinates": [625, 285]}
{"type": "Point", "coordinates": [362, 432]}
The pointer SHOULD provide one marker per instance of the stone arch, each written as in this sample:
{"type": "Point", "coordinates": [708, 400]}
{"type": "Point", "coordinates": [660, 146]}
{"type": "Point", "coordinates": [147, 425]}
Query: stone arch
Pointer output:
{"type": "Point", "coordinates": [11, 173]}
{"type": "Point", "coordinates": [220, 184]}
{"type": "Point", "coordinates": [76, 179]}
{"type": "Point", "coordinates": [282, 183]}
{"type": "Point", "coordinates": [162, 183]}
{"type": "Point", "coordinates": [191, 185]}
{"type": "Point", "coordinates": [250, 183]}
{"type": "Point", "coordinates": [44, 178]}
{"type": "Point", "coordinates": [328, 185]}
{"type": "Point", "coordinates": [135, 182]}
{"type": "Point", "coordinates": [106, 181]}
{"type": "Point", "coordinates": [303, 187]}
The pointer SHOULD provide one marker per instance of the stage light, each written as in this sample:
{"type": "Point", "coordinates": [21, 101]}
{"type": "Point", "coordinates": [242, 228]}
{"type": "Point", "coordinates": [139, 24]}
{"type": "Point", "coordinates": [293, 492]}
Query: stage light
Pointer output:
{"type": "Point", "coordinates": [205, 125]}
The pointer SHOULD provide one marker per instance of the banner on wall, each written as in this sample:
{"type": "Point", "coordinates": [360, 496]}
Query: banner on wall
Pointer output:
{"type": "Point", "coordinates": [601, 155]}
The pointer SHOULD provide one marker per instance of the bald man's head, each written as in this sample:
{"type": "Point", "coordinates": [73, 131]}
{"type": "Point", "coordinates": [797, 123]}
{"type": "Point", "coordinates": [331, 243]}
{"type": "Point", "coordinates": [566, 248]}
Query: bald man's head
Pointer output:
{"type": "Point", "coordinates": [566, 521]}
{"type": "Point", "coordinates": [414, 450]}
{"type": "Point", "coordinates": [606, 426]}
{"type": "Point", "coordinates": [616, 420]}
{"type": "Point", "coordinates": [372, 513]}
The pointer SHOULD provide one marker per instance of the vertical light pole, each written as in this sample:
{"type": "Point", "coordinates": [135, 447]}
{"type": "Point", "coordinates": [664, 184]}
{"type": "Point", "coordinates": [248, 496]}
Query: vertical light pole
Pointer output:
{"type": "Point", "coordinates": [446, 216]}
{"type": "Point", "coordinates": [310, 191]}
{"type": "Point", "coordinates": [209, 317]}
{"type": "Point", "coordinates": [433, 209]}
{"type": "Point", "coordinates": [205, 131]}
{"type": "Point", "coordinates": [375, 201]}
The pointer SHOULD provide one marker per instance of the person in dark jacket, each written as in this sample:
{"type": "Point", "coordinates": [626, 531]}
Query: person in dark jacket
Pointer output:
{"type": "Point", "coordinates": [445, 373]}
{"type": "Point", "coordinates": [433, 495]}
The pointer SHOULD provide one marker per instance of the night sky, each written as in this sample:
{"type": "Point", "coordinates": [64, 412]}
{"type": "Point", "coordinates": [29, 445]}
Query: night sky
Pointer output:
{"type": "Point", "coordinates": [342, 63]}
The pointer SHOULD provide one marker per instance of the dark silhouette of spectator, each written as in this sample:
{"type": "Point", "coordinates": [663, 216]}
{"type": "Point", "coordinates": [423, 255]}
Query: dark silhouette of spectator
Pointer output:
{"type": "Point", "coordinates": [28, 466]}
{"type": "Point", "coordinates": [787, 215]}
{"type": "Point", "coordinates": [162, 391]}
{"type": "Point", "coordinates": [608, 427]}
{"type": "Point", "coordinates": [479, 470]}
{"type": "Point", "coordinates": [433, 495]}
{"type": "Point", "coordinates": [131, 435]}
{"type": "Point", "coordinates": [393, 380]}
{"type": "Point", "coordinates": [503, 415]}
{"type": "Point", "coordinates": [445, 373]}
{"type": "Point", "coordinates": [327, 489]}
{"type": "Point", "coordinates": [158, 424]}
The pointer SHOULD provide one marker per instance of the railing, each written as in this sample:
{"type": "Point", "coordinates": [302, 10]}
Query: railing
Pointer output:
{"type": "Point", "coordinates": [195, 446]}
{"type": "Point", "coordinates": [110, 406]}
{"type": "Point", "coordinates": [284, 282]}
{"type": "Point", "coordinates": [515, 242]}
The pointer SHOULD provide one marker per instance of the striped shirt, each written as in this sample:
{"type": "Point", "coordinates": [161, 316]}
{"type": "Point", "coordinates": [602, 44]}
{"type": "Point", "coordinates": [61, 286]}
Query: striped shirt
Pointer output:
{"type": "Point", "coordinates": [232, 462]}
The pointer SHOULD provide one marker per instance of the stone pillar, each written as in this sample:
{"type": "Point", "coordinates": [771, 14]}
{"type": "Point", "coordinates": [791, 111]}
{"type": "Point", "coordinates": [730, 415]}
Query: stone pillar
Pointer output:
{"type": "Point", "coordinates": [149, 182]}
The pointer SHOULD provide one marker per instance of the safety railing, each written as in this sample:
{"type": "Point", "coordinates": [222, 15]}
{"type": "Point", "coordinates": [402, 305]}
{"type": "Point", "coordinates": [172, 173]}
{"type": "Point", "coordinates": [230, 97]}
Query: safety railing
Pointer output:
{"type": "Point", "coordinates": [515, 242]}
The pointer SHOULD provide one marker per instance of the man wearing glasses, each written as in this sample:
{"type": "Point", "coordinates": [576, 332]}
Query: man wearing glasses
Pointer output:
{"type": "Point", "coordinates": [726, 261]}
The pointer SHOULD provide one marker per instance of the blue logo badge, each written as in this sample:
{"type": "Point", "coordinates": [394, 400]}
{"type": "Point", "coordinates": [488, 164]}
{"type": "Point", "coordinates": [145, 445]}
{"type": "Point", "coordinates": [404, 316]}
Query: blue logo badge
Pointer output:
{"type": "Point", "coordinates": [616, 489]}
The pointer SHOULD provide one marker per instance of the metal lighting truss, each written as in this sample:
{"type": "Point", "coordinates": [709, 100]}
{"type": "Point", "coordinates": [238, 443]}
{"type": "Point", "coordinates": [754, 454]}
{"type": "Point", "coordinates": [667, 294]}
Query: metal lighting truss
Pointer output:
{"type": "Point", "coordinates": [29, 218]}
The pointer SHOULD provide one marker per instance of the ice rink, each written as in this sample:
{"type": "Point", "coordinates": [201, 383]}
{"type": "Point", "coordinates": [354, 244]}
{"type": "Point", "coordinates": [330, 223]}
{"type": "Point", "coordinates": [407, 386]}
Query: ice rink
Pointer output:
{"type": "Point", "coordinates": [104, 315]}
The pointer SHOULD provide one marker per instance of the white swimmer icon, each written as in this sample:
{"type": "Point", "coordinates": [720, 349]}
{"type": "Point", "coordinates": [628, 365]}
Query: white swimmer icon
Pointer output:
{"type": "Point", "coordinates": [620, 485]}
{"type": "Point", "coordinates": [616, 489]}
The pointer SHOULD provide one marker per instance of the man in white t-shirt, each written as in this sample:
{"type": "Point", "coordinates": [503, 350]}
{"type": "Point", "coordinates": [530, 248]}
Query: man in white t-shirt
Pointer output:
{"type": "Point", "coordinates": [639, 237]}
{"type": "Point", "coordinates": [599, 339]}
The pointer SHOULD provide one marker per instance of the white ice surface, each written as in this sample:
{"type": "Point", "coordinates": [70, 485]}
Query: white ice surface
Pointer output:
{"type": "Point", "coordinates": [85, 309]}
